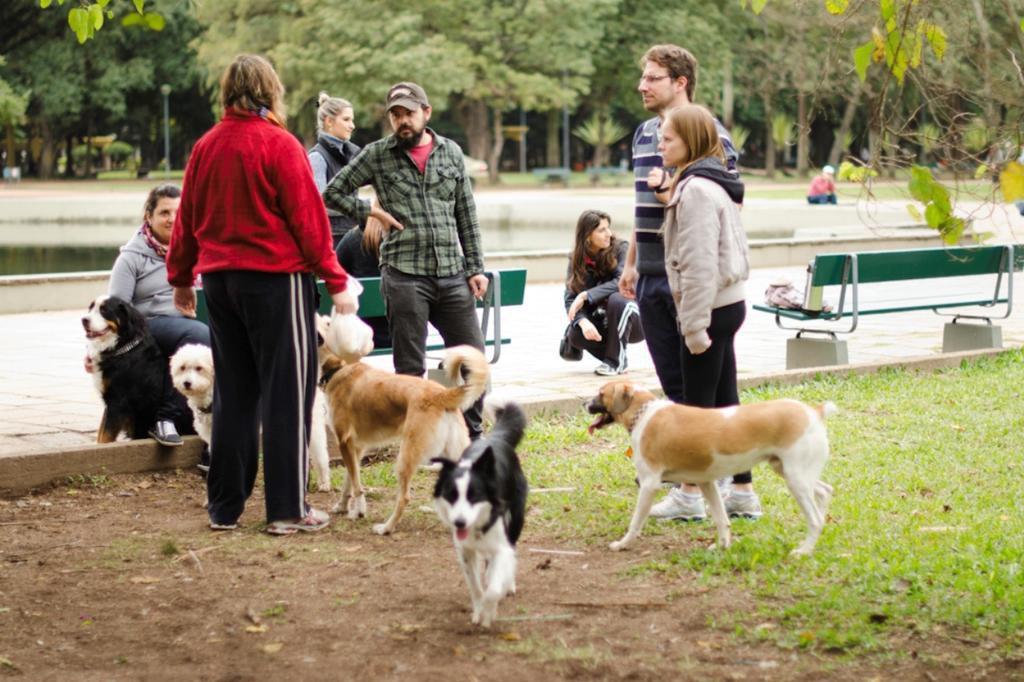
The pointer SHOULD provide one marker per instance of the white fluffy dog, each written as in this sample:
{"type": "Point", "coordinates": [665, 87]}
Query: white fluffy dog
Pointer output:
{"type": "Point", "coordinates": [192, 373]}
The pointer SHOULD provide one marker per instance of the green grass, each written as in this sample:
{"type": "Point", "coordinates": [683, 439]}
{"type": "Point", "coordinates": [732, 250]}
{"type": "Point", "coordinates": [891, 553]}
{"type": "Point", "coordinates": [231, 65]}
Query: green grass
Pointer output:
{"type": "Point", "coordinates": [926, 529]}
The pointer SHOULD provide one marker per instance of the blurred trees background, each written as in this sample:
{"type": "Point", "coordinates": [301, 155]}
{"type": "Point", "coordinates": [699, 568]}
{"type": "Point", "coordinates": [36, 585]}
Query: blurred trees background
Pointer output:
{"type": "Point", "coordinates": [786, 79]}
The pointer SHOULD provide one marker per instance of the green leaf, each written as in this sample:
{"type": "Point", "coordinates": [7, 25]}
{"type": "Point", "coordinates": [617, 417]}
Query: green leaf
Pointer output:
{"type": "Point", "coordinates": [888, 8]}
{"type": "Point", "coordinates": [1022, 24]}
{"type": "Point", "coordinates": [132, 20]}
{"type": "Point", "coordinates": [96, 17]}
{"type": "Point", "coordinates": [934, 216]}
{"type": "Point", "coordinates": [937, 39]}
{"type": "Point", "coordinates": [758, 5]}
{"type": "Point", "coordinates": [138, 5]}
{"type": "Point", "coordinates": [862, 59]}
{"type": "Point", "coordinates": [155, 22]}
{"type": "Point", "coordinates": [952, 229]}
{"type": "Point", "coordinates": [921, 184]}
{"type": "Point", "coordinates": [914, 212]}
{"type": "Point", "coordinates": [980, 171]}
{"type": "Point", "coordinates": [45, 3]}
{"type": "Point", "coordinates": [836, 6]}
{"type": "Point", "coordinates": [1011, 181]}
{"type": "Point", "coordinates": [103, 3]}
{"type": "Point", "coordinates": [78, 20]}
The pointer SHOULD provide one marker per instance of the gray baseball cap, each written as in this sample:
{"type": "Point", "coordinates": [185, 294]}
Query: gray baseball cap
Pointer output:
{"type": "Point", "coordinates": [407, 95]}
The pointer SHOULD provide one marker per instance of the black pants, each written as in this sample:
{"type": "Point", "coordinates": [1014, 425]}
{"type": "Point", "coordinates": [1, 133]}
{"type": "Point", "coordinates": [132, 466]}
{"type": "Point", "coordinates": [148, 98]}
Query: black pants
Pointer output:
{"type": "Point", "coordinates": [264, 349]}
{"type": "Point", "coordinates": [709, 379]}
{"type": "Point", "coordinates": [667, 348]}
{"type": "Point", "coordinates": [445, 302]}
{"type": "Point", "coordinates": [171, 333]}
{"type": "Point", "coordinates": [618, 322]}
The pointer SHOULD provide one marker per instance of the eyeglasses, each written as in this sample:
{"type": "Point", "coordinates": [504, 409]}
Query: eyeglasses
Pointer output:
{"type": "Point", "coordinates": [650, 80]}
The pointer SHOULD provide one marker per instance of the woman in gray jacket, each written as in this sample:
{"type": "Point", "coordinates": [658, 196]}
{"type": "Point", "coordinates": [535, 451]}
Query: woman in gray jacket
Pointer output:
{"type": "Point", "coordinates": [139, 276]}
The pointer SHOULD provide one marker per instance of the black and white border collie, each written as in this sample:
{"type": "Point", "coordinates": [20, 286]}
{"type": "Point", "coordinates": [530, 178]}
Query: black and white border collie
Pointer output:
{"type": "Point", "coordinates": [127, 367]}
{"type": "Point", "coordinates": [482, 498]}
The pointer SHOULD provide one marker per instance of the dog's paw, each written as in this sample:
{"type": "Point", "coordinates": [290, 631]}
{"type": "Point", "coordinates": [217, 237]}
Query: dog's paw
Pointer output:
{"type": "Point", "coordinates": [475, 619]}
{"type": "Point", "coordinates": [324, 487]}
{"type": "Point", "coordinates": [381, 529]}
{"type": "Point", "coordinates": [618, 545]}
{"type": "Point", "coordinates": [357, 507]}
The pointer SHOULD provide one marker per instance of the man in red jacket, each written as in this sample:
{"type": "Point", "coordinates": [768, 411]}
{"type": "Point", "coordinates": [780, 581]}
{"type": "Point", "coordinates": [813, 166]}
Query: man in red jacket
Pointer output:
{"type": "Point", "coordinates": [252, 222]}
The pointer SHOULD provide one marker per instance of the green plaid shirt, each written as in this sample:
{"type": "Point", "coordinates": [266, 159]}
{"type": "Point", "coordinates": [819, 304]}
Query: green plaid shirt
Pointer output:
{"type": "Point", "coordinates": [441, 236]}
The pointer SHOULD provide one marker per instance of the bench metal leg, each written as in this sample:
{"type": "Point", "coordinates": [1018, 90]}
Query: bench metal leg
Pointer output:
{"type": "Point", "coordinates": [804, 352]}
{"type": "Point", "coordinates": [961, 336]}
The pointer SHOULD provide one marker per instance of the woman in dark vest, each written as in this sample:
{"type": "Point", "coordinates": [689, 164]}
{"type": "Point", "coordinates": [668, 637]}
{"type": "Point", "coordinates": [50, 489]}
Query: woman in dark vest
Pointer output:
{"type": "Point", "coordinates": [333, 151]}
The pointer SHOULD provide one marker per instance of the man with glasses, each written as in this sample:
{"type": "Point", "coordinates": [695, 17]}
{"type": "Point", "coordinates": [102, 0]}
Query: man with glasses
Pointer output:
{"type": "Point", "coordinates": [432, 265]}
{"type": "Point", "coordinates": [669, 80]}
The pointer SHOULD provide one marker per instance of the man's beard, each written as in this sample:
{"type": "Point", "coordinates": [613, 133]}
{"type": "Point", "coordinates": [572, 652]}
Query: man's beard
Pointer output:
{"type": "Point", "coordinates": [411, 141]}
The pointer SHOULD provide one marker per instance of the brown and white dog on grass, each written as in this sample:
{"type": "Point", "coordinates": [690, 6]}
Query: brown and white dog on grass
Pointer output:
{"type": "Point", "coordinates": [371, 407]}
{"type": "Point", "coordinates": [676, 443]}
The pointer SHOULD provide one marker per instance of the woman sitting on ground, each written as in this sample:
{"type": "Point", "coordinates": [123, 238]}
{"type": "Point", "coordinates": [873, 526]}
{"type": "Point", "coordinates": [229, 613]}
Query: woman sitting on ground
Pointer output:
{"type": "Point", "coordinates": [139, 276]}
{"type": "Point", "coordinates": [603, 321]}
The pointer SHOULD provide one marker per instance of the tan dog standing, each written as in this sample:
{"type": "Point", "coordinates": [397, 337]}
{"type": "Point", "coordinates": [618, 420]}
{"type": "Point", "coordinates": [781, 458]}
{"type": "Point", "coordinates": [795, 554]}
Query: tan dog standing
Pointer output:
{"type": "Point", "coordinates": [672, 442]}
{"type": "Point", "coordinates": [371, 407]}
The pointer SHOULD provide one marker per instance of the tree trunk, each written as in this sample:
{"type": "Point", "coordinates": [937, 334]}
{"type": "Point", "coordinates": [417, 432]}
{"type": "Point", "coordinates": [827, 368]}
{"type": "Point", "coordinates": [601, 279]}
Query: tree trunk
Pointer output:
{"type": "Point", "coordinates": [839, 143]}
{"type": "Point", "coordinates": [494, 158]}
{"type": "Point", "coordinates": [553, 148]}
{"type": "Point", "coordinates": [48, 152]}
{"type": "Point", "coordinates": [803, 134]}
{"type": "Point", "coordinates": [69, 165]}
{"type": "Point", "coordinates": [473, 117]}
{"type": "Point", "coordinates": [769, 141]}
{"type": "Point", "coordinates": [728, 93]}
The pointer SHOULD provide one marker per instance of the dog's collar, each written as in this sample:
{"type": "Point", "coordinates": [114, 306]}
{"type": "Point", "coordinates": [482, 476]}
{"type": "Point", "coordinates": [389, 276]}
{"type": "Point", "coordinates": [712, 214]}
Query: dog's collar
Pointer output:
{"type": "Point", "coordinates": [328, 375]}
{"type": "Point", "coordinates": [639, 413]}
{"type": "Point", "coordinates": [128, 347]}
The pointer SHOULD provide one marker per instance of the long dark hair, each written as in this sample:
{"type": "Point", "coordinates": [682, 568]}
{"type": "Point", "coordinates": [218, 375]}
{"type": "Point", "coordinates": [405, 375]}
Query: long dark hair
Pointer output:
{"type": "Point", "coordinates": [605, 260]}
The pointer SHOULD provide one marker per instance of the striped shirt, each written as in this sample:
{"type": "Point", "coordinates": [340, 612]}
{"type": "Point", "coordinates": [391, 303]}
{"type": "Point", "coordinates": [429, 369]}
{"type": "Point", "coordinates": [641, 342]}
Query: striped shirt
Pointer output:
{"type": "Point", "coordinates": [650, 213]}
{"type": "Point", "coordinates": [442, 235]}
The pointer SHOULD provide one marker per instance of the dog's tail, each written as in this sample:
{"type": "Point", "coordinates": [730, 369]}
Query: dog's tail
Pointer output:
{"type": "Point", "coordinates": [826, 409]}
{"type": "Point", "coordinates": [468, 374]}
{"type": "Point", "coordinates": [510, 422]}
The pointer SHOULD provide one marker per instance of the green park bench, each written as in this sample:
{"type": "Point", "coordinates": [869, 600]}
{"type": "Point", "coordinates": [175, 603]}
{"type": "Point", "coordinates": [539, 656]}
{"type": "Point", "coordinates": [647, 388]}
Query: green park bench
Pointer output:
{"type": "Point", "coordinates": [553, 175]}
{"type": "Point", "coordinates": [819, 345]}
{"type": "Point", "coordinates": [505, 288]}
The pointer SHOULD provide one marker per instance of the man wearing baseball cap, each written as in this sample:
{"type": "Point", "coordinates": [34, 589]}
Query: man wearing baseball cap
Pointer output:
{"type": "Point", "coordinates": [431, 258]}
{"type": "Point", "coordinates": [823, 187]}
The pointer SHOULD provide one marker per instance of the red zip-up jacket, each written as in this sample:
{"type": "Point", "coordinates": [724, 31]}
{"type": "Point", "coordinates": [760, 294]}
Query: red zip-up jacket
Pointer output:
{"type": "Point", "coordinates": [249, 203]}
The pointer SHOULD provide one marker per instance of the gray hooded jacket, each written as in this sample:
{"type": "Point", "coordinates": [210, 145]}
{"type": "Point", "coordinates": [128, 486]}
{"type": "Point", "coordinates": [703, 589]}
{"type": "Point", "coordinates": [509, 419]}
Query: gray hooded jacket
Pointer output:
{"type": "Point", "coordinates": [139, 276]}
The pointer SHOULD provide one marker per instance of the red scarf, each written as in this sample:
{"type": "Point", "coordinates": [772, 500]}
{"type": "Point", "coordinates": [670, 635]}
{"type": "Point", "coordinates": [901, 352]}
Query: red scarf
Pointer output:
{"type": "Point", "coordinates": [147, 233]}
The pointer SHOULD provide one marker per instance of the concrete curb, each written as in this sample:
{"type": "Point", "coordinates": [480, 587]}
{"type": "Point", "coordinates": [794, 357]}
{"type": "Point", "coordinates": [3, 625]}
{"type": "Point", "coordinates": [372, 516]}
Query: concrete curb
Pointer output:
{"type": "Point", "coordinates": [19, 473]}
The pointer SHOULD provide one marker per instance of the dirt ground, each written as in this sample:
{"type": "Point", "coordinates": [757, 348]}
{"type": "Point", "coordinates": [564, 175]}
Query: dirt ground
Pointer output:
{"type": "Point", "coordinates": [119, 578]}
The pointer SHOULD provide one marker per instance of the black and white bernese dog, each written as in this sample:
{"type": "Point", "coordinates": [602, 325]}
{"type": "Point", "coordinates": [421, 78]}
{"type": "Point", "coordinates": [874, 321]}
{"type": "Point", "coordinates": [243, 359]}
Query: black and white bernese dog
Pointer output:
{"type": "Point", "coordinates": [127, 367]}
{"type": "Point", "coordinates": [482, 498]}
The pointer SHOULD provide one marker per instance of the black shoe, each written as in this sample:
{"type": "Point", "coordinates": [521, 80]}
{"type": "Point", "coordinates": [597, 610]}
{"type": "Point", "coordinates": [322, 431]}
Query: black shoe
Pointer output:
{"type": "Point", "coordinates": [204, 460]}
{"type": "Point", "coordinates": [165, 433]}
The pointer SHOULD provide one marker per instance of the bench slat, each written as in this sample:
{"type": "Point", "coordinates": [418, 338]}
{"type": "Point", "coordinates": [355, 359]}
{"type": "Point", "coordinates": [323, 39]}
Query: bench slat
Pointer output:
{"type": "Point", "coordinates": [805, 317]}
{"type": "Point", "coordinates": [892, 266]}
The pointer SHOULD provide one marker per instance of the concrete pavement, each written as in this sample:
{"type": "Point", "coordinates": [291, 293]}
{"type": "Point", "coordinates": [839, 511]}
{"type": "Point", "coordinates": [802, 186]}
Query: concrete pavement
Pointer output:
{"type": "Point", "coordinates": [48, 403]}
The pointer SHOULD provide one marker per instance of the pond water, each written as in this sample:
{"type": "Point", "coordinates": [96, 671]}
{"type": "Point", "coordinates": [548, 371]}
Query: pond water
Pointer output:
{"type": "Point", "coordinates": [32, 260]}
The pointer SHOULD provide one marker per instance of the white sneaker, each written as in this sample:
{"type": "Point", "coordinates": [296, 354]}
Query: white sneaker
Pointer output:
{"type": "Point", "coordinates": [743, 505]}
{"type": "Point", "coordinates": [680, 506]}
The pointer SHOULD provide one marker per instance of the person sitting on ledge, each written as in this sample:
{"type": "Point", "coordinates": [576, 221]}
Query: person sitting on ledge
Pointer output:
{"type": "Point", "coordinates": [823, 187]}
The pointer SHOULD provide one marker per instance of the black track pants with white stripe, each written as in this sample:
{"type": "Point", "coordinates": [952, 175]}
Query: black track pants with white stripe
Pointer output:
{"type": "Point", "coordinates": [264, 355]}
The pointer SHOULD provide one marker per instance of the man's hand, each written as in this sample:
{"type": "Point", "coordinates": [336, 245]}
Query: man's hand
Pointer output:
{"type": "Point", "coordinates": [384, 217]}
{"type": "Point", "coordinates": [589, 330]}
{"type": "Point", "coordinates": [478, 285]}
{"type": "Point", "coordinates": [344, 302]}
{"type": "Point", "coordinates": [627, 282]}
{"type": "Point", "coordinates": [658, 177]}
{"type": "Point", "coordinates": [185, 301]}
{"type": "Point", "coordinates": [577, 305]}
